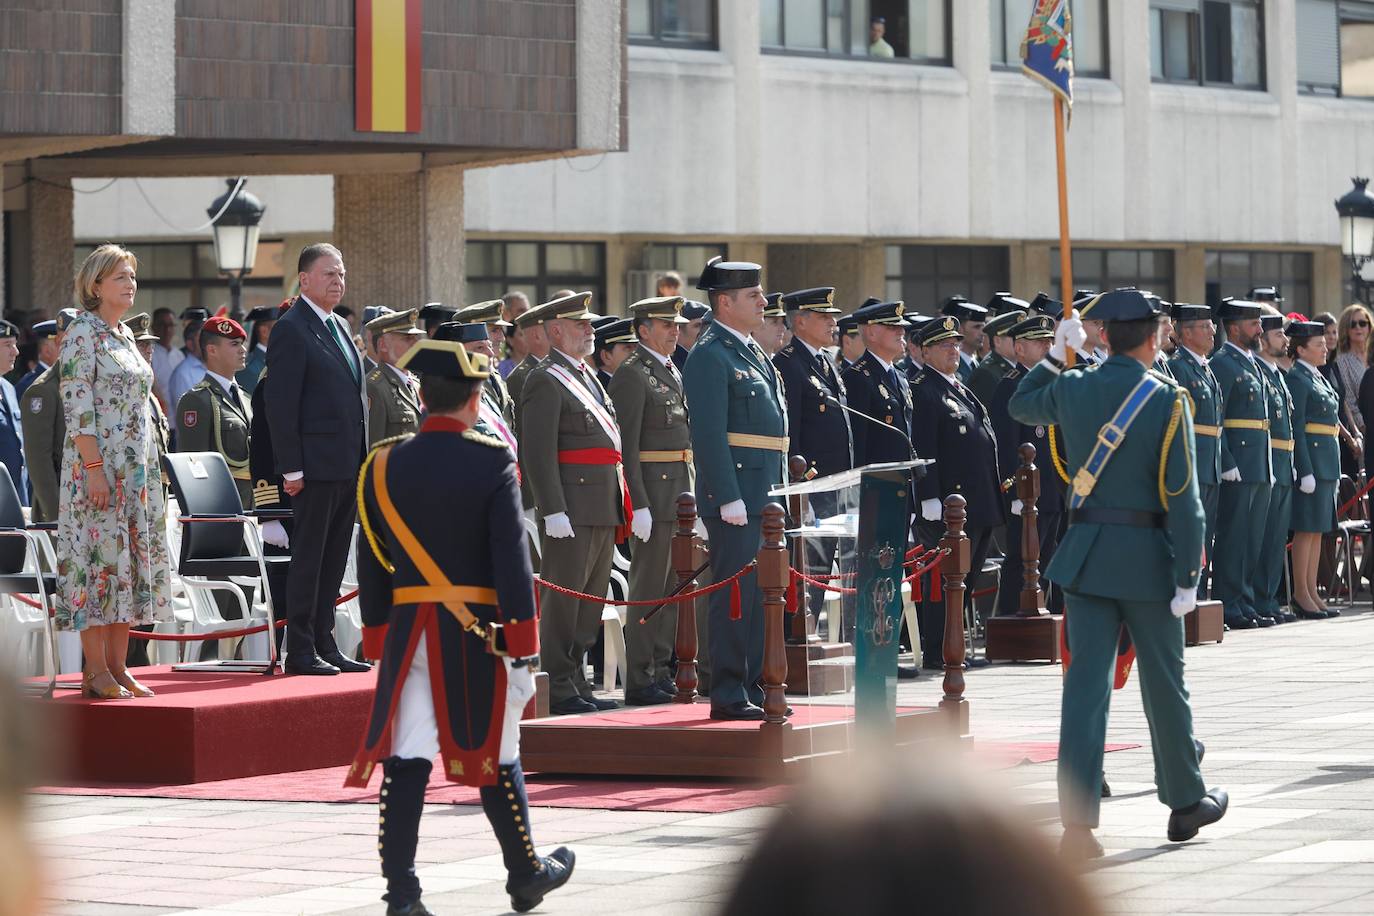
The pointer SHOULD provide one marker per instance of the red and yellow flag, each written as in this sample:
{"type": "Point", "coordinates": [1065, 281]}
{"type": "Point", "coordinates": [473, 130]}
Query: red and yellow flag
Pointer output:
{"type": "Point", "coordinates": [388, 65]}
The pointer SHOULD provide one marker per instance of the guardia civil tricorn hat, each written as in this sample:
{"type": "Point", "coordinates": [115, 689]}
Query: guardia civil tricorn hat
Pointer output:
{"type": "Point", "coordinates": [719, 274]}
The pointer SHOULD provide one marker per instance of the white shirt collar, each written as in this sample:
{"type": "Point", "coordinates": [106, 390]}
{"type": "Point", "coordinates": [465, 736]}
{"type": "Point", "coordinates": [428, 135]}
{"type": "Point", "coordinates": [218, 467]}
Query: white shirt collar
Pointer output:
{"type": "Point", "coordinates": [225, 383]}
{"type": "Point", "coordinates": [952, 379]}
{"type": "Point", "coordinates": [260, 346]}
{"type": "Point", "coordinates": [1313, 369]}
{"type": "Point", "coordinates": [809, 349]}
{"type": "Point", "coordinates": [1100, 354]}
{"type": "Point", "coordinates": [1248, 354]}
{"type": "Point", "coordinates": [323, 315]}
{"type": "Point", "coordinates": [965, 358]}
{"type": "Point", "coordinates": [402, 374]}
{"type": "Point", "coordinates": [746, 339]}
{"type": "Point", "coordinates": [665, 361]}
{"type": "Point", "coordinates": [1201, 360]}
{"type": "Point", "coordinates": [887, 366]}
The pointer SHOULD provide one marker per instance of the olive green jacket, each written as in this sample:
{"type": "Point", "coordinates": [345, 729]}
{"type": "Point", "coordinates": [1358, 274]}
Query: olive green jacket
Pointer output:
{"type": "Point", "coordinates": [393, 407]}
{"type": "Point", "coordinates": [209, 420]}
{"type": "Point", "coordinates": [45, 433]}
{"type": "Point", "coordinates": [652, 412]}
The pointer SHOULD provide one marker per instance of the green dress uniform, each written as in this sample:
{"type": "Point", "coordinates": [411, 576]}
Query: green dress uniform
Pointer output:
{"type": "Point", "coordinates": [1243, 504]}
{"type": "Point", "coordinates": [1133, 537]}
{"type": "Point", "coordinates": [1316, 448]}
{"type": "Point", "coordinates": [45, 431]}
{"type": "Point", "coordinates": [1274, 547]}
{"type": "Point", "coordinates": [656, 448]}
{"type": "Point", "coordinates": [489, 313]}
{"type": "Point", "coordinates": [515, 387]}
{"type": "Point", "coordinates": [739, 448]}
{"type": "Point", "coordinates": [1193, 373]}
{"type": "Point", "coordinates": [213, 418]}
{"type": "Point", "coordinates": [995, 367]}
{"type": "Point", "coordinates": [393, 404]}
{"type": "Point", "coordinates": [572, 463]}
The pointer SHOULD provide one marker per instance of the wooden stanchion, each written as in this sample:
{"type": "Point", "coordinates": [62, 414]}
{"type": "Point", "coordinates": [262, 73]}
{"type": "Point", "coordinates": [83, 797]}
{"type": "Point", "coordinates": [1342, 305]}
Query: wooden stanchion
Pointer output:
{"type": "Point", "coordinates": [1028, 491]}
{"type": "Point", "coordinates": [684, 564]}
{"type": "Point", "coordinates": [773, 575]}
{"type": "Point", "coordinates": [954, 568]}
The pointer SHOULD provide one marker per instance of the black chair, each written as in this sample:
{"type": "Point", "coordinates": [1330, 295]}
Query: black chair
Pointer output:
{"type": "Point", "coordinates": [21, 555]}
{"type": "Point", "coordinates": [215, 530]}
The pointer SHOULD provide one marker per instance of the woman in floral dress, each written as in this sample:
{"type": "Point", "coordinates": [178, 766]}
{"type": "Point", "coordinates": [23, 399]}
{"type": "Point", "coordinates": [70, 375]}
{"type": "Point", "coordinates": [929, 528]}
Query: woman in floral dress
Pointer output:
{"type": "Point", "coordinates": [112, 568]}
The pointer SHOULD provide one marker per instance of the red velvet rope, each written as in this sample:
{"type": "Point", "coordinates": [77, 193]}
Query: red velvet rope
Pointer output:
{"type": "Point", "coordinates": [706, 590]}
{"type": "Point", "coordinates": [1350, 503]}
{"type": "Point", "coordinates": [842, 590]}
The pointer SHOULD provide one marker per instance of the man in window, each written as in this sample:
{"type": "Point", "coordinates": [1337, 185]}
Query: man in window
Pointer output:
{"type": "Point", "coordinates": [877, 45]}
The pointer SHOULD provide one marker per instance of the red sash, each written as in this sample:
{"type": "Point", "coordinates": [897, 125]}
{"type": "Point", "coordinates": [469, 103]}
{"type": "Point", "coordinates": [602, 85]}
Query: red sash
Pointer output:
{"type": "Point", "coordinates": [604, 456]}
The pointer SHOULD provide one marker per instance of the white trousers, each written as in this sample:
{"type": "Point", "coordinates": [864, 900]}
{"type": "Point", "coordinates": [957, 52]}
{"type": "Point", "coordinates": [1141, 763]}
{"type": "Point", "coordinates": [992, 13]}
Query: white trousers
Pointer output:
{"type": "Point", "coordinates": [415, 731]}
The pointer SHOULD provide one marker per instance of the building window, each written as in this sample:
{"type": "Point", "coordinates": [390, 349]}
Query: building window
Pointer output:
{"type": "Point", "coordinates": [1336, 47]}
{"type": "Point", "coordinates": [1212, 42]}
{"type": "Point", "coordinates": [923, 276]}
{"type": "Point", "coordinates": [687, 259]}
{"type": "Point", "coordinates": [1103, 269]}
{"type": "Point", "coordinates": [1009, 21]}
{"type": "Point", "coordinates": [1235, 273]}
{"type": "Point", "coordinates": [537, 269]}
{"type": "Point", "coordinates": [914, 30]}
{"type": "Point", "coordinates": [181, 275]}
{"type": "Point", "coordinates": [681, 23]}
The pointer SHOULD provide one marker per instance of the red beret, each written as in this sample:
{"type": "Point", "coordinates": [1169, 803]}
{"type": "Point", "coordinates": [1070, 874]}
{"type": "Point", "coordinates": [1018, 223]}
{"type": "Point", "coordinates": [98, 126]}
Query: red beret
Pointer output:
{"type": "Point", "coordinates": [225, 327]}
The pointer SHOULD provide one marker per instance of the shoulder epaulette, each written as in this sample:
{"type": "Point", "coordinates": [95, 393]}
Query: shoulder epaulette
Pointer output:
{"type": "Point", "coordinates": [482, 438]}
{"type": "Point", "coordinates": [375, 374]}
{"type": "Point", "coordinates": [202, 385]}
{"type": "Point", "coordinates": [390, 440]}
{"type": "Point", "coordinates": [1167, 379]}
{"type": "Point", "coordinates": [789, 349]}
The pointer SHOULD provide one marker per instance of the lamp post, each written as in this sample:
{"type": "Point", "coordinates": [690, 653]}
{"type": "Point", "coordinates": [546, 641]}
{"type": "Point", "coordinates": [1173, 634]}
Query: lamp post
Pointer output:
{"type": "Point", "coordinates": [1356, 211]}
{"type": "Point", "coordinates": [236, 238]}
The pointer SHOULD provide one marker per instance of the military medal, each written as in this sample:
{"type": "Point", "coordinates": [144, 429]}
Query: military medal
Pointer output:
{"type": "Point", "coordinates": [882, 389]}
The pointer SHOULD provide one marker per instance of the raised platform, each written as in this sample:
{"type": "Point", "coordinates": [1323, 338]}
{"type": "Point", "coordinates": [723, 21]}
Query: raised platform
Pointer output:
{"type": "Point", "coordinates": [1024, 639]}
{"type": "Point", "coordinates": [680, 739]}
{"type": "Point", "coordinates": [816, 668]}
{"type": "Point", "coordinates": [205, 726]}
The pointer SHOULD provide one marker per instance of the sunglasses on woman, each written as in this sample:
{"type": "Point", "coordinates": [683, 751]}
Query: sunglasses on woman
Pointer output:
{"type": "Point", "coordinates": [1359, 324]}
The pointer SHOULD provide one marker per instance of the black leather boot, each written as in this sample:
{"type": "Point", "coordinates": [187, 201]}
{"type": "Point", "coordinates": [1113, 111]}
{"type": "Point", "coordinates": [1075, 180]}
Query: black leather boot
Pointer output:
{"type": "Point", "coordinates": [398, 832]}
{"type": "Point", "coordinates": [530, 876]}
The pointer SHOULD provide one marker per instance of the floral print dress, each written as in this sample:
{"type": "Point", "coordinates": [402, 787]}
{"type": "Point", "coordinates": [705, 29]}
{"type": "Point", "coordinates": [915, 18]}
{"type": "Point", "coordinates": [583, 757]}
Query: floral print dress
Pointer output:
{"type": "Point", "coordinates": [112, 564]}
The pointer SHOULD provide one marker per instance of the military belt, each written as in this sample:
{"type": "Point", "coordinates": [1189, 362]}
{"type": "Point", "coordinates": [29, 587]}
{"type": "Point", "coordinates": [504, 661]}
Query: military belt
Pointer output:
{"type": "Point", "coordinates": [1245, 424]}
{"type": "Point", "coordinates": [748, 440]}
{"type": "Point", "coordinates": [1204, 430]}
{"type": "Point", "coordinates": [438, 594]}
{"type": "Point", "coordinates": [1283, 445]}
{"type": "Point", "coordinates": [1321, 429]}
{"type": "Point", "coordinates": [665, 457]}
{"type": "Point", "coordinates": [1128, 517]}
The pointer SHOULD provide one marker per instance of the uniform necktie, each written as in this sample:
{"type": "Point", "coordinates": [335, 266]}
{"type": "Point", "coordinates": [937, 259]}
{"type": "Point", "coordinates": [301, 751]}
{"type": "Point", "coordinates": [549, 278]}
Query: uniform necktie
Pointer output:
{"type": "Point", "coordinates": [234, 396]}
{"type": "Point", "coordinates": [823, 365]}
{"type": "Point", "coordinates": [344, 346]}
{"type": "Point", "coordinates": [892, 380]}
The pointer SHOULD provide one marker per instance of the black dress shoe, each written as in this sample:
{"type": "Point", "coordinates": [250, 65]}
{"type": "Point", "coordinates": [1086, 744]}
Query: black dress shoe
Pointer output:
{"type": "Point", "coordinates": [1078, 844]}
{"type": "Point", "coordinates": [602, 705]}
{"type": "Point", "coordinates": [1311, 615]}
{"type": "Point", "coordinates": [316, 665]}
{"type": "Point", "coordinates": [410, 909]}
{"type": "Point", "coordinates": [1262, 622]}
{"type": "Point", "coordinates": [1288, 616]}
{"type": "Point", "coordinates": [976, 662]}
{"type": "Point", "coordinates": [572, 706]}
{"type": "Point", "coordinates": [346, 665]}
{"type": "Point", "coordinates": [905, 673]}
{"type": "Point", "coordinates": [667, 686]}
{"type": "Point", "coordinates": [528, 892]}
{"type": "Point", "coordinates": [1106, 789]}
{"type": "Point", "coordinates": [1332, 612]}
{"type": "Point", "coordinates": [742, 711]}
{"type": "Point", "coordinates": [649, 696]}
{"type": "Point", "coordinates": [1184, 823]}
{"type": "Point", "coordinates": [1242, 623]}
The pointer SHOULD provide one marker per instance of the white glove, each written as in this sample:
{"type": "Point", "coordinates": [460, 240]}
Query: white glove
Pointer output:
{"type": "Point", "coordinates": [275, 534]}
{"type": "Point", "coordinates": [1016, 507]}
{"type": "Point", "coordinates": [519, 684]}
{"type": "Point", "coordinates": [1231, 476]}
{"type": "Point", "coordinates": [930, 510]}
{"type": "Point", "coordinates": [642, 524]}
{"type": "Point", "coordinates": [1184, 600]}
{"type": "Point", "coordinates": [558, 525]}
{"type": "Point", "coordinates": [1069, 334]}
{"type": "Point", "coordinates": [700, 528]}
{"type": "Point", "coordinates": [734, 513]}
{"type": "Point", "coordinates": [1308, 484]}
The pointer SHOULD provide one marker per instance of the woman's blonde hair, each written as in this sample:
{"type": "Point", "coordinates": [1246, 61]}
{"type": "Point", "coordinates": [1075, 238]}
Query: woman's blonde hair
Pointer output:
{"type": "Point", "coordinates": [1343, 327]}
{"type": "Point", "coordinates": [98, 265]}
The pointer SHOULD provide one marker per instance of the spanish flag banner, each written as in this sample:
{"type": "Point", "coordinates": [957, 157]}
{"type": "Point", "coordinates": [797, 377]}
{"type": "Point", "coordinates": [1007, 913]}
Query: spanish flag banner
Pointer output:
{"type": "Point", "coordinates": [388, 65]}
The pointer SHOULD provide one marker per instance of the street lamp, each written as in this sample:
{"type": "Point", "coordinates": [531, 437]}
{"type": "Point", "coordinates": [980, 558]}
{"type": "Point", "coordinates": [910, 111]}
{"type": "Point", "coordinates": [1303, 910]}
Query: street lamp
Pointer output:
{"type": "Point", "coordinates": [236, 237]}
{"type": "Point", "coordinates": [1356, 210]}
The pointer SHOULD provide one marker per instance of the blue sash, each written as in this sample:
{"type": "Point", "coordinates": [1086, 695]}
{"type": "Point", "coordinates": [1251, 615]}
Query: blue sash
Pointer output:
{"type": "Point", "coordinates": [1110, 436]}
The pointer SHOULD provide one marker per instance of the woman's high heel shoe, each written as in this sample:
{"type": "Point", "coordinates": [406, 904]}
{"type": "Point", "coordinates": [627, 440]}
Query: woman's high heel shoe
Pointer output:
{"type": "Point", "coordinates": [126, 680]}
{"type": "Point", "coordinates": [114, 691]}
{"type": "Point", "coordinates": [1307, 613]}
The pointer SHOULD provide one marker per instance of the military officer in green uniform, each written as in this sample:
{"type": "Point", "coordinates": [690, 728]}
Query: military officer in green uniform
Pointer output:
{"type": "Point", "coordinates": [529, 324]}
{"type": "Point", "coordinates": [1130, 556]}
{"type": "Point", "coordinates": [491, 418]}
{"type": "Point", "coordinates": [393, 394]}
{"type": "Point", "coordinates": [1002, 360]}
{"type": "Point", "coordinates": [657, 452]}
{"type": "Point", "coordinates": [1317, 460]}
{"type": "Point", "coordinates": [739, 446]}
{"type": "Point", "coordinates": [1268, 576]}
{"type": "Point", "coordinates": [1189, 367]}
{"type": "Point", "coordinates": [572, 460]}
{"type": "Point", "coordinates": [45, 430]}
{"type": "Point", "coordinates": [214, 415]}
{"type": "Point", "coordinates": [1246, 465]}
{"type": "Point", "coordinates": [489, 313]}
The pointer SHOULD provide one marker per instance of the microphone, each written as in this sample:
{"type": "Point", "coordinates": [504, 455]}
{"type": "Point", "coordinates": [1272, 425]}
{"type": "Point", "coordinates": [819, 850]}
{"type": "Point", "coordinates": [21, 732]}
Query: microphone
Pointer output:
{"type": "Point", "coordinates": [906, 440]}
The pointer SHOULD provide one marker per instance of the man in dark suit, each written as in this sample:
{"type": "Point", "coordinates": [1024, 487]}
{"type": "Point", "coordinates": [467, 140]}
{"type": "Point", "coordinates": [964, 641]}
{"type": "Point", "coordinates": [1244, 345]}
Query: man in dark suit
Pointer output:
{"type": "Point", "coordinates": [875, 387]}
{"type": "Point", "coordinates": [317, 414]}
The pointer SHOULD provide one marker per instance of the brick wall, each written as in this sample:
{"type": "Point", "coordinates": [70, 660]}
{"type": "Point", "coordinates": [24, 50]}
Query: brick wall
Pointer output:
{"type": "Point", "coordinates": [60, 67]}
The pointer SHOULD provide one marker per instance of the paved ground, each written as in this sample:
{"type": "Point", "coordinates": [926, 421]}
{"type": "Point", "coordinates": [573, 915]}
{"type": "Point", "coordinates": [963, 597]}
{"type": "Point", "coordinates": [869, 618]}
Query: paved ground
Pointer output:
{"type": "Point", "coordinates": [1286, 714]}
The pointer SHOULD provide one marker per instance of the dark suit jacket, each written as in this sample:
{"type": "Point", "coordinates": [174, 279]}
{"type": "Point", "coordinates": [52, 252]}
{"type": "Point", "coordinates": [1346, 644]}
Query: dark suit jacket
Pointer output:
{"type": "Point", "coordinates": [870, 391]}
{"type": "Point", "coordinates": [315, 408]}
{"type": "Point", "coordinates": [951, 426]}
{"type": "Point", "coordinates": [818, 431]}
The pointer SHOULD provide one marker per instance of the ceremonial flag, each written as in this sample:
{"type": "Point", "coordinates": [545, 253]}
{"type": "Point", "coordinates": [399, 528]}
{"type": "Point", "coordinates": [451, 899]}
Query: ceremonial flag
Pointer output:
{"type": "Point", "coordinates": [387, 65]}
{"type": "Point", "coordinates": [1047, 49]}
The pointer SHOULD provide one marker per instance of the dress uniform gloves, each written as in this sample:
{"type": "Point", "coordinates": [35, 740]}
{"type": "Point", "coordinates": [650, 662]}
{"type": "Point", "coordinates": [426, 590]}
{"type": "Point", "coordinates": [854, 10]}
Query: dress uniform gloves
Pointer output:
{"type": "Point", "coordinates": [930, 510]}
{"type": "Point", "coordinates": [734, 513]}
{"type": "Point", "coordinates": [1308, 484]}
{"type": "Point", "coordinates": [519, 683]}
{"type": "Point", "coordinates": [273, 533]}
{"type": "Point", "coordinates": [558, 525]}
{"type": "Point", "coordinates": [699, 529]}
{"type": "Point", "coordinates": [1184, 600]}
{"type": "Point", "coordinates": [1231, 476]}
{"type": "Point", "coordinates": [1016, 506]}
{"type": "Point", "coordinates": [642, 524]}
{"type": "Point", "coordinates": [1069, 334]}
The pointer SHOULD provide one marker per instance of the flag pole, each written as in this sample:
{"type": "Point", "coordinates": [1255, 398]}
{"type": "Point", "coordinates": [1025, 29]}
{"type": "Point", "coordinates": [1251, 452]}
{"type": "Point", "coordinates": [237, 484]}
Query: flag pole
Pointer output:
{"type": "Point", "coordinates": [1065, 251]}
